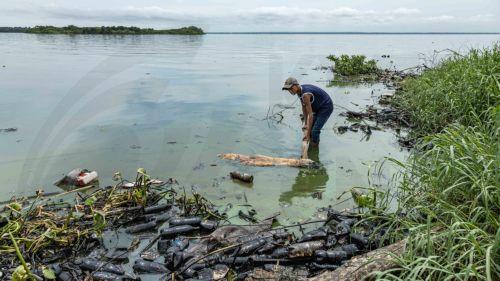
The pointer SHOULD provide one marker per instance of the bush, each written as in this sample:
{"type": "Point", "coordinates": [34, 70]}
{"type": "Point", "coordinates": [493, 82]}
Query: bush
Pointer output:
{"type": "Point", "coordinates": [353, 65]}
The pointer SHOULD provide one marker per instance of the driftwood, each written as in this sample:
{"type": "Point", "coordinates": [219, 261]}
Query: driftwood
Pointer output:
{"type": "Point", "coordinates": [265, 161]}
{"type": "Point", "coordinates": [360, 267]}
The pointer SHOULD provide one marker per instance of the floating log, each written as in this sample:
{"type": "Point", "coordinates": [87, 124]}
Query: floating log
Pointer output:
{"type": "Point", "coordinates": [266, 161]}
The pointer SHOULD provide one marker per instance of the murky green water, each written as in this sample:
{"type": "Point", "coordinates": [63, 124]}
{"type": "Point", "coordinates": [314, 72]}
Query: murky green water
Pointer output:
{"type": "Point", "coordinates": [170, 104]}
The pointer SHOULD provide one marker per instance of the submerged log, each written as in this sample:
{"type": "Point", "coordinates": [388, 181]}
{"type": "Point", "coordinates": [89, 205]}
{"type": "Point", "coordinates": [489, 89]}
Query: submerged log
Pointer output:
{"type": "Point", "coordinates": [266, 161]}
{"type": "Point", "coordinates": [360, 267]}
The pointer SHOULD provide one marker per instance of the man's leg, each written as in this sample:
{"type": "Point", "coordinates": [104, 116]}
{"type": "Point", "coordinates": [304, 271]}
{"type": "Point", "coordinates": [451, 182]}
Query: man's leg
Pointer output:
{"type": "Point", "coordinates": [318, 123]}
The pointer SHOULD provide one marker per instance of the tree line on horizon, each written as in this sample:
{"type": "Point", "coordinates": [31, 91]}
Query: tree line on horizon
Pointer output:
{"type": "Point", "coordinates": [119, 30]}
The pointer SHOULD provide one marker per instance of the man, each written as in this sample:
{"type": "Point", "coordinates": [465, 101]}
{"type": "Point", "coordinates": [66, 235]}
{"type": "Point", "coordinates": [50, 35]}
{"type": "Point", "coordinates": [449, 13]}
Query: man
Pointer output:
{"type": "Point", "coordinates": [317, 107]}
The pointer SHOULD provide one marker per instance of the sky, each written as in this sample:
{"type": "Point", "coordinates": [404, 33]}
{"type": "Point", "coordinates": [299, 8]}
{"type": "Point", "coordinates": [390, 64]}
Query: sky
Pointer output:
{"type": "Point", "coordinates": [262, 16]}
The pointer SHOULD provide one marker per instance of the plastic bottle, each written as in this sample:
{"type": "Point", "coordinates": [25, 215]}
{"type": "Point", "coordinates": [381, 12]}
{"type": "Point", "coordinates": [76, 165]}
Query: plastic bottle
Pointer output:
{"type": "Point", "coordinates": [241, 176]}
{"type": "Point", "coordinates": [86, 178]}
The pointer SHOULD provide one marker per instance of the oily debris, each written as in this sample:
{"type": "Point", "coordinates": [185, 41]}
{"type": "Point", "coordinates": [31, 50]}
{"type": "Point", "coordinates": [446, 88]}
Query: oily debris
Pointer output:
{"type": "Point", "coordinates": [173, 237]}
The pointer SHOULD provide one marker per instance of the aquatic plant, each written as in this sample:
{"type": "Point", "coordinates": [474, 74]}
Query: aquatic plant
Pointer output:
{"type": "Point", "coordinates": [447, 196]}
{"type": "Point", "coordinates": [353, 65]}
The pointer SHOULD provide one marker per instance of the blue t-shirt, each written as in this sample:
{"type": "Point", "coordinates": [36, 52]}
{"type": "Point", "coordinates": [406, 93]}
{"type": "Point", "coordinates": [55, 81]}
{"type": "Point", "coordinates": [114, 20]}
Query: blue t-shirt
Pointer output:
{"type": "Point", "coordinates": [320, 99]}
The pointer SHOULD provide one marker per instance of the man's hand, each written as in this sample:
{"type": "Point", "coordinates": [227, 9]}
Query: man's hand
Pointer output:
{"type": "Point", "coordinates": [306, 137]}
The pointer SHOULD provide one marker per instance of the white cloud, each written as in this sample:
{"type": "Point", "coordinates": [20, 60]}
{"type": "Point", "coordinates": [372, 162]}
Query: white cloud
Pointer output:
{"type": "Point", "coordinates": [271, 13]}
{"type": "Point", "coordinates": [121, 14]}
{"type": "Point", "coordinates": [441, 18]}
{"type": "Point", "coordinates": [481, 18]}
{"type": "Point", "coordinates": [344, 12]}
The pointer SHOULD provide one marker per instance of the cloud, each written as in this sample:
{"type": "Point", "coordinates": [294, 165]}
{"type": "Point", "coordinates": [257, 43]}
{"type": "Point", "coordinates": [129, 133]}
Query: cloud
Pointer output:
{"type": "Point", "coordinates": [481, 18]}
{"type": "Point", "coordinates": [280, 13]}
{"type": "Point", "coordinates": [441, 18]}
{"type": "Point", "coordinates": [259, 14]}
{"type": "Point", "coordinates": [122, 14]}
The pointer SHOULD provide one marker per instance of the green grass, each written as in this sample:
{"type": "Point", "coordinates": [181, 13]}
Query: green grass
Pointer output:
{"type": "Point", "coordinates": [447, 195]}
{"type": "Point", "coordinates": [460, 89]}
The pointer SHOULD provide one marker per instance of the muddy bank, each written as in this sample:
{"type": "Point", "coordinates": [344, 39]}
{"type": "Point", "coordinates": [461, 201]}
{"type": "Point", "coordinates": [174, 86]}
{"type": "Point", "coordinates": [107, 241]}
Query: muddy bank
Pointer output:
{"type": "Point", "coordinates": [151, 229]}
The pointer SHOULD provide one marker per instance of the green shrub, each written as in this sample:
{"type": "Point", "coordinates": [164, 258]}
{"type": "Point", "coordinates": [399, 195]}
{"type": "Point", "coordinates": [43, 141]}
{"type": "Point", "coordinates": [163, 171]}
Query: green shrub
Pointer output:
{"type": "Point", "coordinates": [353, 65]}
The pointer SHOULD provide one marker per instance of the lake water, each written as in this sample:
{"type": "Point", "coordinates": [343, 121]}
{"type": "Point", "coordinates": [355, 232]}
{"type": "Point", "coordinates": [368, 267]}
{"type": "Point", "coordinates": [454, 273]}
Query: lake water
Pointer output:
{"type": "Point", "coordinates": [170, 104]}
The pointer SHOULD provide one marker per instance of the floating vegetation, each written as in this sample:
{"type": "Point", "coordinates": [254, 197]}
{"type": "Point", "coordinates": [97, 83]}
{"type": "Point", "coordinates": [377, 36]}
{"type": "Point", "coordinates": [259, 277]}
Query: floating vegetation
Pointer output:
{"type": "Point", "coordinates": [355, 68]}
{"type": "Point", "coordinates": [353, 65]}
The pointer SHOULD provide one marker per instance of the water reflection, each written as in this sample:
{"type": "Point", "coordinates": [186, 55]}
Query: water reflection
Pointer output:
{"type": "Point", "coordinates": [308, 181]}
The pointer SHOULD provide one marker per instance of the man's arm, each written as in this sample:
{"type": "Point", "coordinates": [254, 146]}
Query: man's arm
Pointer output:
{"type": "Point", "coordinates": [308, 114]}
{"type": "Point", "coordinates": [304, 116]}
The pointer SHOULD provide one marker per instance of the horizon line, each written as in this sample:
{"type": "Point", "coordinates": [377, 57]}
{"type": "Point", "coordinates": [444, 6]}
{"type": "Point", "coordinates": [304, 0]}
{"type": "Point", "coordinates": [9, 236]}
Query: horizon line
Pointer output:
{"type": "Point", "coordinates": [345, 32]}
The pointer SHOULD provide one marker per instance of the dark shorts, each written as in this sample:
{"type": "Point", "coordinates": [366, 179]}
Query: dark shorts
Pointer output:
{"type": "Point", "coordinates": [319, 120]}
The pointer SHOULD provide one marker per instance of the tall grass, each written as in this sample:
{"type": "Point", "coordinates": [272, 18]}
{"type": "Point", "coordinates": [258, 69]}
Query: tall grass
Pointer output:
{"type": "Point", "coordinates": [448, 193]}
{"type": "Point", "coordinates": [460, 89]}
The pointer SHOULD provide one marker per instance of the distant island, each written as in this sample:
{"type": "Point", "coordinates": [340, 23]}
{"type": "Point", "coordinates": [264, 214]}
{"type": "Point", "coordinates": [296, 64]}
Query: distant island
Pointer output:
{"type": "Point", "coordinates": [118, 30]}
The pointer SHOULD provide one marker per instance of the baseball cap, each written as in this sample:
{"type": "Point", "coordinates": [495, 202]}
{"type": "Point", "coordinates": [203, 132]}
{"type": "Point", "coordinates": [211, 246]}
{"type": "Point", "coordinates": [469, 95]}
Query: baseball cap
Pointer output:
{"type": "Point", "coordinates": [289, 82]}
